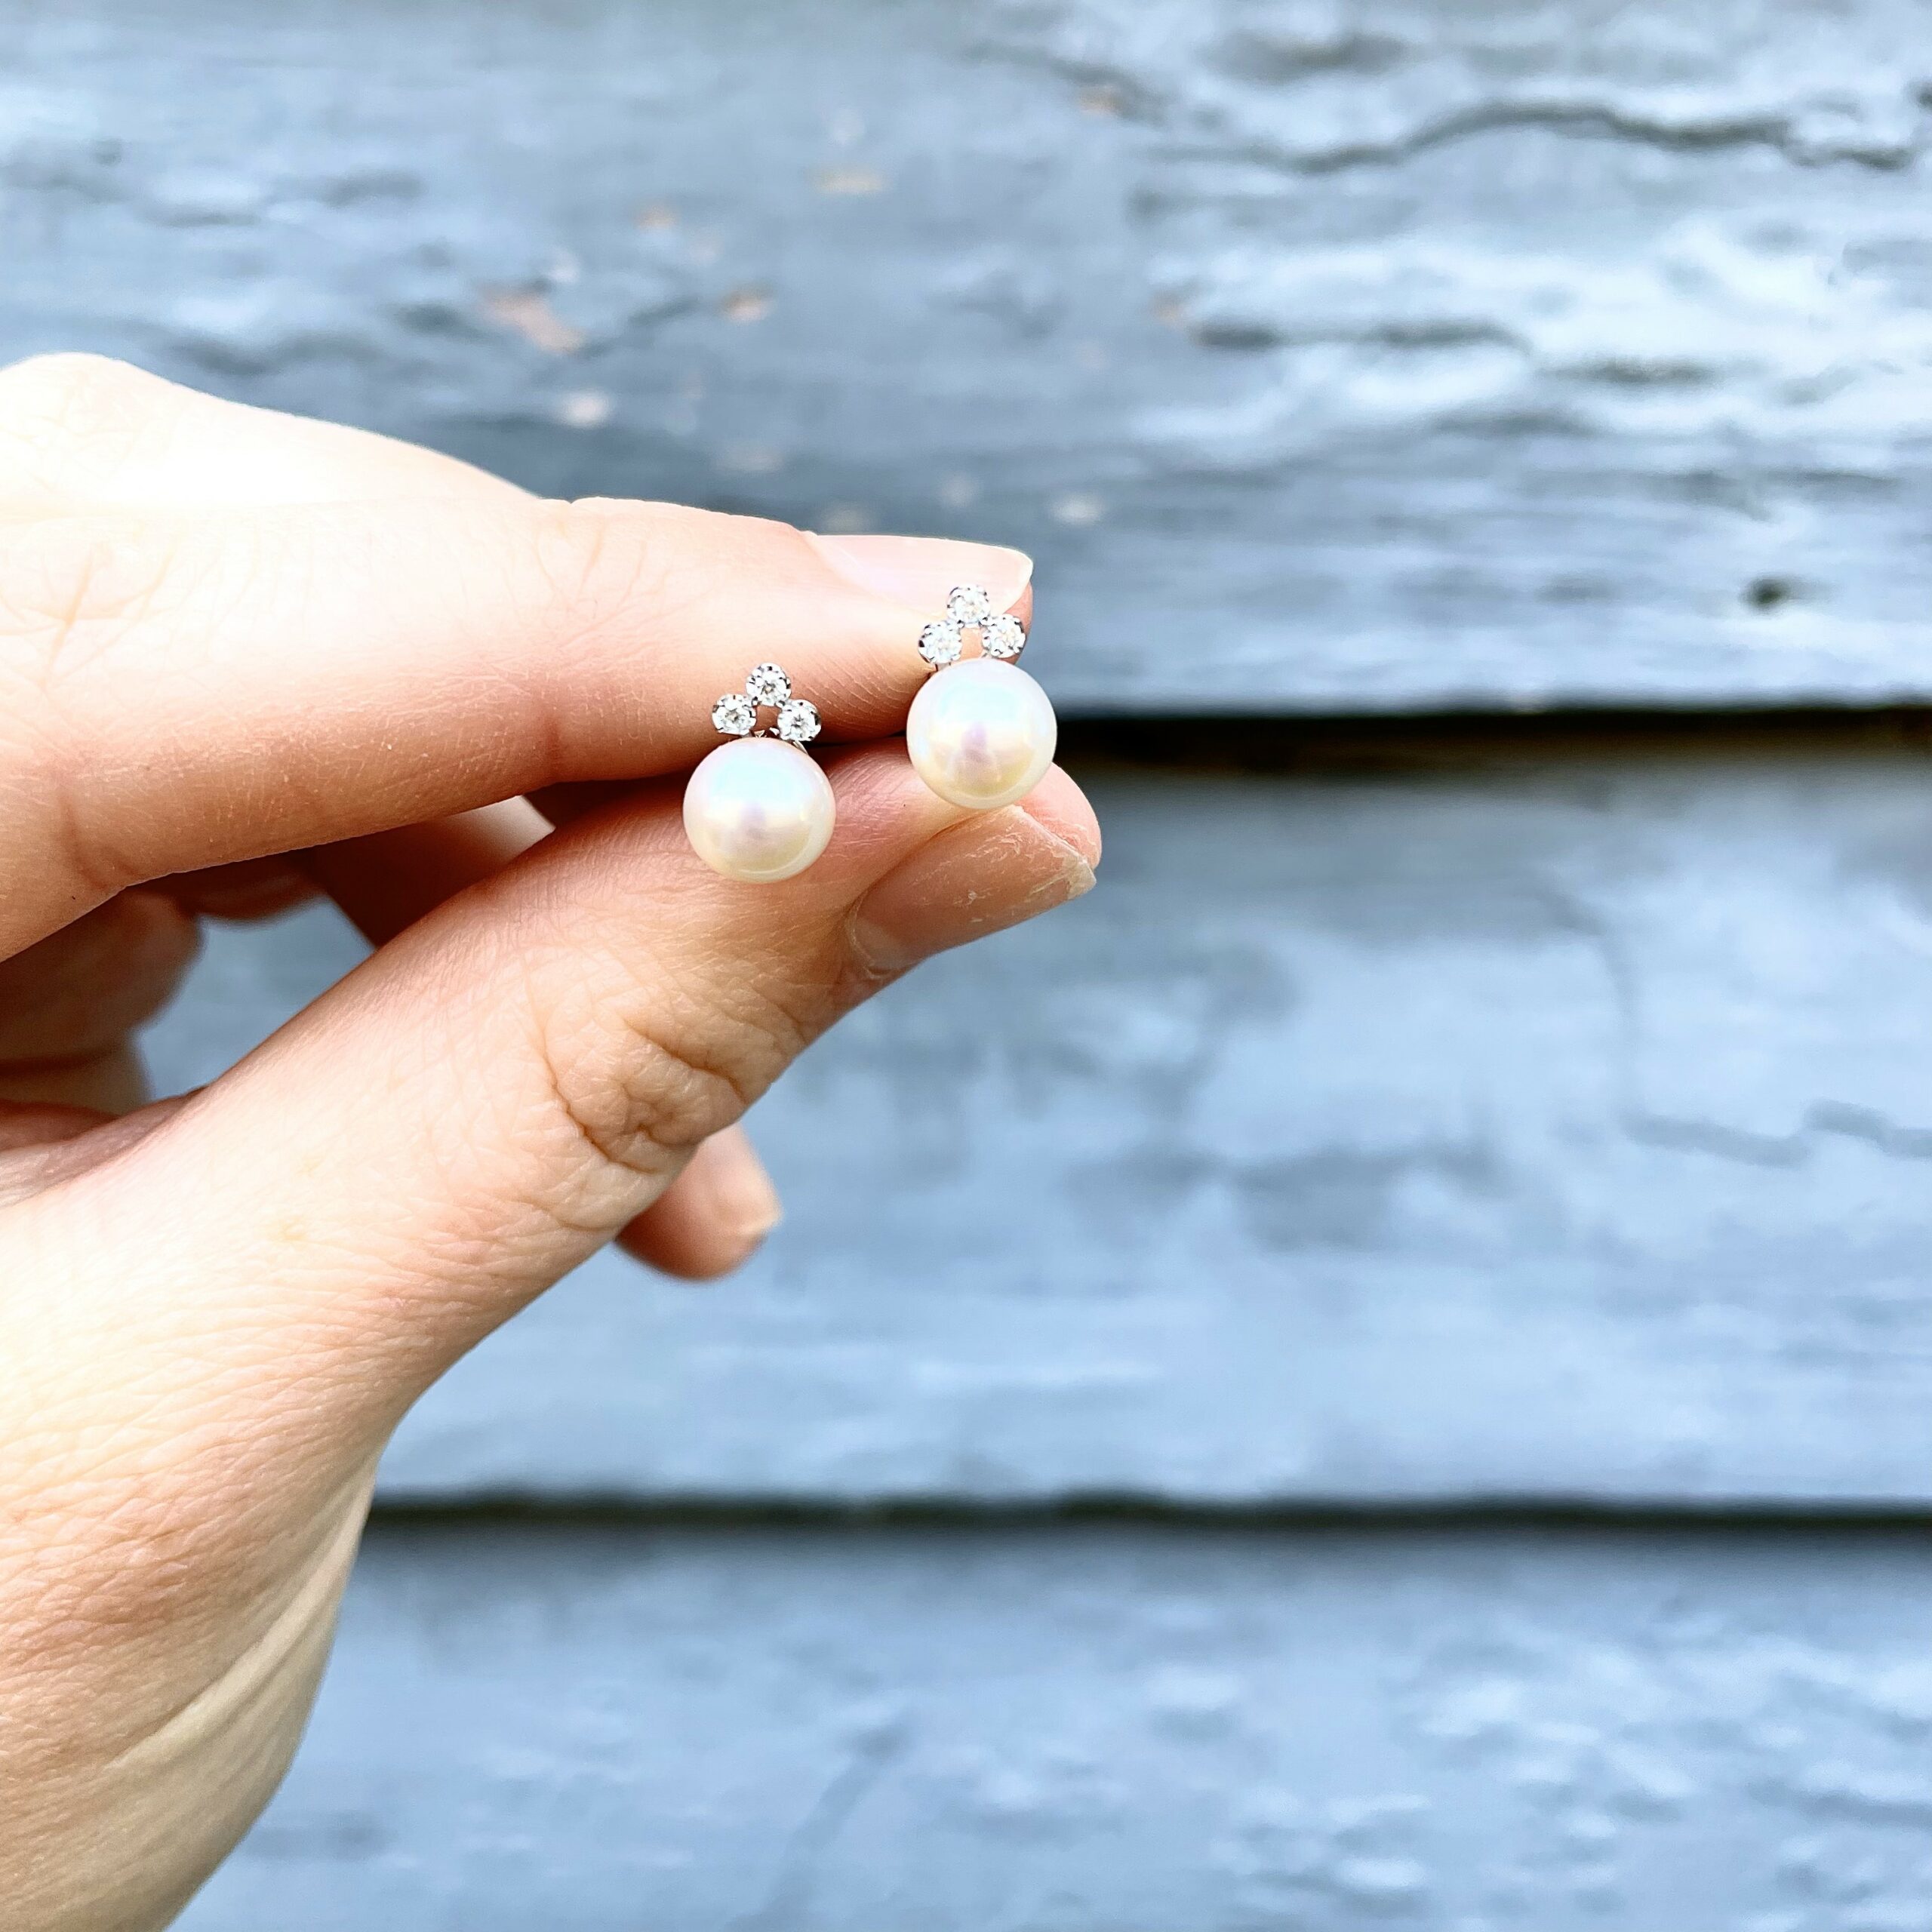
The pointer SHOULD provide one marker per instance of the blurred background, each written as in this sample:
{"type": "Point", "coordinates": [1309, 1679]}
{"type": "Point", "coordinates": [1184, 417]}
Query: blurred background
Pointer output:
{"type": "Point", "coordinates": [1408, 1401]}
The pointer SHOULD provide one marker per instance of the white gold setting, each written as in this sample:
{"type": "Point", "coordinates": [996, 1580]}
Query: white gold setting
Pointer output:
{"type": "Point", "coordinates": [968, 604]}
{"type": "Point", "coordinates": [797, 722]}
{"type": "Point", "coordinates": [1003, 637]}
{"type": "Point", "coordinates": [766, 684]}
{"type": "Point", "coordinates": [736, 714]}
{"type": "Point", "coordinates": [941, 642]}
{"type": "Point", "coordinates": [968, 608]}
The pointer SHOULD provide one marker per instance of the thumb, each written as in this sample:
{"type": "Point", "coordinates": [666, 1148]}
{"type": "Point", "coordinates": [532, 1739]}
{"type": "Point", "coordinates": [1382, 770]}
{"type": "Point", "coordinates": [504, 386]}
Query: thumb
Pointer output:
{"type": "Point", "coordinates": [207, 1331]}
{"type": "Point", "coordinates": [286, 1262]}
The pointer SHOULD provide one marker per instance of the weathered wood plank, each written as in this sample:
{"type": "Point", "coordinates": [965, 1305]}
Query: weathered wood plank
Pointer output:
{"type": "Point", "coordinates": [1443, 355]}
{"type": "Point", "coordinates": [1124, 1730]}
{"type": "Point", "coordinates": [1521, 1129]}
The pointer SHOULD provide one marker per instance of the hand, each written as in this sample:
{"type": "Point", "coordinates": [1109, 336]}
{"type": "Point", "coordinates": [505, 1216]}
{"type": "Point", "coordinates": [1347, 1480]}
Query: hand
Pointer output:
{"type": "Point", "coordinates": [225, 636]}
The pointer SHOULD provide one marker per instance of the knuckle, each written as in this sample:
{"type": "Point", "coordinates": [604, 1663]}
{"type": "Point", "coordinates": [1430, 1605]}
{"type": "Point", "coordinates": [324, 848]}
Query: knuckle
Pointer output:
{"type": "Point", "coordinates": [74, 587]}
{"type": "Point", "coordinates": [597, 559]}
{"type": "Point", "coordinates": [79, 600]}
{"type": "Point", "coordinates": [68, 407]}
{"type": "Point", "coordinates": [70, 381]}
{"type": "Point", "coordinates": [650, 567]}
{"type": "Point", "coordinates": [637, 1071]}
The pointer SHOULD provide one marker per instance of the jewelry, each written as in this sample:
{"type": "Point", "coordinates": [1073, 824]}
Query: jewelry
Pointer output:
{"type": "Point", "coordinates": [981, 733]}
{"type": "Point", "coordinates": [758, 808]}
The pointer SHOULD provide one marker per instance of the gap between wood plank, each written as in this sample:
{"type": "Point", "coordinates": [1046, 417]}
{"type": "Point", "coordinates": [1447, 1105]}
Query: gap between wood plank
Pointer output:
{"type": "Point", "coordinates": [1208, 744]}
{"type": "Point", "coordinates": [1742, 1516]}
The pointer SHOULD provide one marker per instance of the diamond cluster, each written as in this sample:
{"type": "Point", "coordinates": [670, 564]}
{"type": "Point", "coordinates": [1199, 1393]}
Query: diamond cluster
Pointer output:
{"type": "Point", "coordinates": [767, 688]}
{"type": "Point", "coordinates": [969, 608]}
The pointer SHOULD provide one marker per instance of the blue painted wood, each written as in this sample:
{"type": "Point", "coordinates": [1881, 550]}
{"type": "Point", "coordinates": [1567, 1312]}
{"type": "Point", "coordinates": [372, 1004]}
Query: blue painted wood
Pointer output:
{"type": "Point", "coordinates": [1442, 355]}
{"type": "Point", "coordinates": [1518, 1129]}
{"type": "Point", "coordinates": [1530, 1133]}
{"type": "Point", "coordinates": [1128, 1729]}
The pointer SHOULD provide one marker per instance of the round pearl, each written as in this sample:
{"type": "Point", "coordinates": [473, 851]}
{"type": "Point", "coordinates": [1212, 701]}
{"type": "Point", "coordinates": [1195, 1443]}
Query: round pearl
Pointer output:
{"type": "Point", "coordinates": [982, 733]}
{"type": "Point", "coordinates": [759, 810]}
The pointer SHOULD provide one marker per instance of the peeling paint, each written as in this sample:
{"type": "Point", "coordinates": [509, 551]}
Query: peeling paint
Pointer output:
{"type": "Point", "coordinates": [1438, 357]}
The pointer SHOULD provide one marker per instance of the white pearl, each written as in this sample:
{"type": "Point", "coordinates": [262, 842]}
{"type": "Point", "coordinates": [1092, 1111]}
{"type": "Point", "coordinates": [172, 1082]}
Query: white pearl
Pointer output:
{"type": "Point", "coordinates": [759, 810]}
{"type": "Point", "coordinates": [982, 733]}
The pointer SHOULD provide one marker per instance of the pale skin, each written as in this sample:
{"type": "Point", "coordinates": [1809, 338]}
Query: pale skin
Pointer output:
{"type": "Point", "coordinates": [243, 657]}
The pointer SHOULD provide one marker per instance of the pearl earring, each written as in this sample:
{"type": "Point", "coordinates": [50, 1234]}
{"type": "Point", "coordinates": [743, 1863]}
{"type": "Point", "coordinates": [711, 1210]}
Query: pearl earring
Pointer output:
{"type": "Point", "coordinates": [757, 808]}
{"type": "Point", "coordinates": [981, 733]}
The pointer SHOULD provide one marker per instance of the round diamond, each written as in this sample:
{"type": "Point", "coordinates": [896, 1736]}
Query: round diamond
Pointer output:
{"type": "Point", "coordinates": [767, 684]}
{"type": "Point", "coordinates": [969, 604]}
{"type": "Point", "coordinates": [941, 640]}
{"type": "Point", "coordinates": [734, 715]}
{"type": "Point", "coordinates": [1003, 637]}
{"type": "Point", "coordinates": [798, 720]}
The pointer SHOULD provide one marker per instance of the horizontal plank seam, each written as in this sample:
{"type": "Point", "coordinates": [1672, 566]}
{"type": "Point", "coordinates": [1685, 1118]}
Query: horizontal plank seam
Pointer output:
{"type": "Point", "coordinates": [1742, 1515]}
{"type": "Point", "coordinates": [1211, 742]}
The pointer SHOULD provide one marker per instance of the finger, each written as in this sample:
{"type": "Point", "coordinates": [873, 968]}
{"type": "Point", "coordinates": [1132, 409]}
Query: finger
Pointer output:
{"type": "Point", "coordinates": [712, 1217]}
{"type": "Point", "coordinates": [386, 882]}
{"type": "Point", "coordinates": [113, 1082]}
{"type": "Point", "coordinates": [185, 691]}
{"type": "Point", "coordinates": [250, 889]}
{"type": "Point", "coordinates": [67, 1005]}
{"type": "Point", "coordinates": [25, 1124]}
{"type": "Point", "coordinates": [488, 1099]}
{"type": "Point", "coordinates": [85, 988]}
{"type": "Point", "coordinates": [86, 433]}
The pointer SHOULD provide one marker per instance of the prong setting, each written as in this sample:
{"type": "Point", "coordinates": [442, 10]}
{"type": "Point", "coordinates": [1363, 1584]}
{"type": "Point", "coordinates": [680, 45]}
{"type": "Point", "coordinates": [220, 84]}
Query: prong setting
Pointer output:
{"type": "Point", "coordinates": [797, 721]}
{"type": "Point", "coordinates": [767, 685]}
{"type": "Point", "coordinates": [1003, 637]}
{"type": "Point", "coordinates": [741, 714]}
{"type": "Point", "coordinates": [941, 642]}
{"type": "Point", "coordinates": [969, 607]}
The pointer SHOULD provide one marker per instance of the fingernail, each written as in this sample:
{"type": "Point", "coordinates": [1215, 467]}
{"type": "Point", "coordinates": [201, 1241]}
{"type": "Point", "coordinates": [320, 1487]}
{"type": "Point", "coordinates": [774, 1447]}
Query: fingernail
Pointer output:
{"type": "Point", "coordinates": [918, 571]}
{"type": "Point", "coordinates": [978, 878]}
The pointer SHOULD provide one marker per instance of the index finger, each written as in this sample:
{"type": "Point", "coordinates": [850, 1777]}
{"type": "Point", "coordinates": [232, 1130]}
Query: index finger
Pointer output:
{"type": "Point", "coordinates": [185, 690]}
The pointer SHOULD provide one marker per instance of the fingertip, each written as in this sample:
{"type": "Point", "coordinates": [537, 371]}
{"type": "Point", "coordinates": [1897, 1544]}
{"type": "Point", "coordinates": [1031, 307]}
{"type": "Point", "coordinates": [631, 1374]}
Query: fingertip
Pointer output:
{"type": "Point", "coordinates": [919, 571]}
{"type": "Point", "coordinates": [246, 890]}
{"type": "Point", "coordinates": [1058, 803]}
{"type": "Point", "coordinates": [713, 1218]}
{"type": "Point", "coordinates": [44, 1123]}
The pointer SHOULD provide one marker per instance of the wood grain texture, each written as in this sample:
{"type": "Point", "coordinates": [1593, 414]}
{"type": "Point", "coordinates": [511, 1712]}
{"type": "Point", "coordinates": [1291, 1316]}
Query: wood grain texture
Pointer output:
{"type": "Point", "coordinates": [1403, 356]}
{"type": "Point", "coordinates": [1518, 1130]}
{"type": "Point", "coordinates": [1124, 1730]}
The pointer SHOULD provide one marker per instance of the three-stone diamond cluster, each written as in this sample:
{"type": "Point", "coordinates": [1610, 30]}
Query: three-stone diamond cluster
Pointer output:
{"type": "Point", "coordinates": [969, 608]}
{"type": "Point", "coordinates": [767, 688]}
